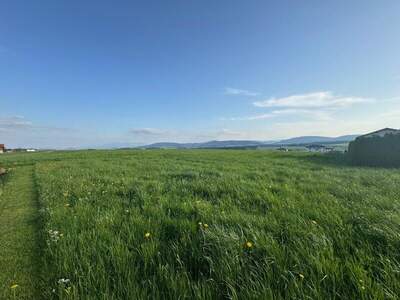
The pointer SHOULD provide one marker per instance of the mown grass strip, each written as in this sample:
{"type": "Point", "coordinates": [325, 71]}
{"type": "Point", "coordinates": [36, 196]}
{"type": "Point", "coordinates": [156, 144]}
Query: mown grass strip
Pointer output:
{"type": "Point", "coordinates": [19, 248]}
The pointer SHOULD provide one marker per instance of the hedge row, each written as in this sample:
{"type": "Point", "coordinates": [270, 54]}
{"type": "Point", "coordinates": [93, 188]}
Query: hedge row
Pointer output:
{"type": "Point", "coordinates": [376, 151]}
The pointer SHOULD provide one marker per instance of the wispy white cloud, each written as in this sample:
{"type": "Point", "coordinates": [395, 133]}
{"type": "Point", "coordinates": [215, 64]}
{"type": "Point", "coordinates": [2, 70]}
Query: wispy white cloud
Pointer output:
{"type": "Point", "coordinates": [149, 132]}
{"type": "Point", "coordinates": [17, 131]}
{"type": "Point", "coordinates": [239, 92]}
{"type": "Point", "coordinates": [313, 114]}
{"type": "Point", "coordinates": [314, 106]}
{"type": "Point", "coordinates": [21, 124]}
{"type": "Point", "coordinates": [250, 118]}
{"type": "Point", "coordinates": [14, 123]}
{"type": "Point", "coordinates": [228, 133]}
{"type": "Point", "coordinates": [313, 100]}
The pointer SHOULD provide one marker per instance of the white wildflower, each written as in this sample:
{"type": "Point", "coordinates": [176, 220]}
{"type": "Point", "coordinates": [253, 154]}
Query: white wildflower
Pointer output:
{"type": "Point", "coordinates": [55, 235]}
{"type": "Point", "coordinates": [63, 281]}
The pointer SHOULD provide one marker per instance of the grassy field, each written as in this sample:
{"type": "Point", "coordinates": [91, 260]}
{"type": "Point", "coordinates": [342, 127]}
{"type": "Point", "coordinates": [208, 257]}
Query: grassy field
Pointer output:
{"type": "Point", "coordinates": [203, 224]}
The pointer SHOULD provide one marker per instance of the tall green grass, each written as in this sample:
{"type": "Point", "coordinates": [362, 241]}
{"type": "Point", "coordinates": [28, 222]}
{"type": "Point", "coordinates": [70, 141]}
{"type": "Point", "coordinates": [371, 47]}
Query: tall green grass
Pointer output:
{"type": "Point", "coordinates": [207, 224]}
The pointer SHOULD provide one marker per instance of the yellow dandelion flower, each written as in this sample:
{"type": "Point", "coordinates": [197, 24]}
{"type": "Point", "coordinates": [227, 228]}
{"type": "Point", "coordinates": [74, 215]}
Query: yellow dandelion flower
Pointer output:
{"type": "Point", "coordinates": [14, 286]}
{"type": "Point", "coordinates": [205, 225]}
{"type": "Point", "coordinates": [147, 235]}
{"type": "Point", "coordinates": [301, 276]}
{"type": "Point", "coordinates": [249, 245]}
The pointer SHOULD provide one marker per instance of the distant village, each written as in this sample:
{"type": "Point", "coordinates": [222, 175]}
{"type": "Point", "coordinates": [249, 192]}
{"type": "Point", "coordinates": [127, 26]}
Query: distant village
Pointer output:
{"type": "Point", "coordinates": [323, 148]}
{"type": "Point", "coordinates": [3, 149]}
{"type": "Point", "coordinates": [310, 148]}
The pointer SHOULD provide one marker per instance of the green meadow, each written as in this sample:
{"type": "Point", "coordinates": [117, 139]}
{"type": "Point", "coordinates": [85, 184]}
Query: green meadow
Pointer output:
{"type": "Point", "coordinates": [197, 224]}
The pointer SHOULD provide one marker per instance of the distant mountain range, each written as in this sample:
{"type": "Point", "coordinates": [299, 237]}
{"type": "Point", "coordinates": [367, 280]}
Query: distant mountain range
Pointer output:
{"type": "Point", "coordinates": [318, 139]}
{"type": "Point", "coordinates": [302, 140]}
{"type": "Point", "coordinates": [120, 145]}
{"type": "Point", "coordinates": [210, 144]}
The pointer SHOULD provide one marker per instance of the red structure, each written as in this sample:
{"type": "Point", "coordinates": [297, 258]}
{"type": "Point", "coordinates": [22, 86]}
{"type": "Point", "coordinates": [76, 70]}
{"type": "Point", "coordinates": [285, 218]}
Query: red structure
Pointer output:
{"type": "Point", "coordinates": [2, 148]}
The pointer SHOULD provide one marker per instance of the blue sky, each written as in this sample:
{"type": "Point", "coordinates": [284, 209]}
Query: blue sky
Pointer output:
{"type": "Point", "coordinates": [83, 73]}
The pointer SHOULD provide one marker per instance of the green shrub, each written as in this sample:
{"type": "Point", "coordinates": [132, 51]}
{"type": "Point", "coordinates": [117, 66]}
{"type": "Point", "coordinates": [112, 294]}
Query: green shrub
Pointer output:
{"type": "Point", "coordinates": [376, 151]}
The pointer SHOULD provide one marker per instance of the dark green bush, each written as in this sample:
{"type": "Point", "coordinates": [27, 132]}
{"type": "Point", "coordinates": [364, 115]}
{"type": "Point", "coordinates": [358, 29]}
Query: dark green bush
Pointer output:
{"type": "Point", "coordinates": [376, 151]}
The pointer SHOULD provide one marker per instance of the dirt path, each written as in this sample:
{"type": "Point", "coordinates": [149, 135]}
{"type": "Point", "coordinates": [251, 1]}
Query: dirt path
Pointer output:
{"type": "Point", "coordinates": [19, 224]}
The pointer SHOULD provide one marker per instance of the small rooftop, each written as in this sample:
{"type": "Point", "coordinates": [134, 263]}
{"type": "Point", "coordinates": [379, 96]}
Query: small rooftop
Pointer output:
{"type": "Point", "coordinates": [381, 132]}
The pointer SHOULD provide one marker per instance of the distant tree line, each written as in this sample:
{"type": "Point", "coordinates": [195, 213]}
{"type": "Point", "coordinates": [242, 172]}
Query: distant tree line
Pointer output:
{"type": "Point", "coordinates": [376, 151]}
